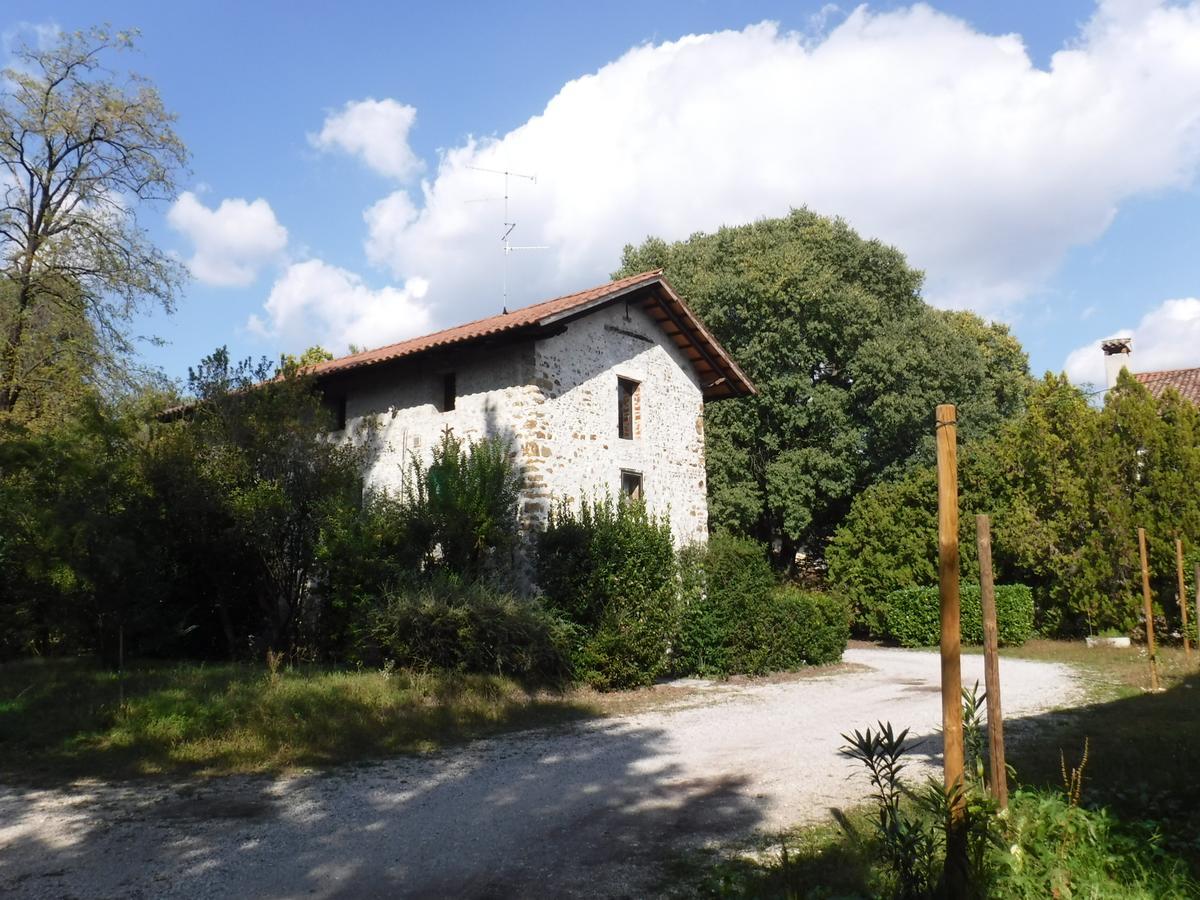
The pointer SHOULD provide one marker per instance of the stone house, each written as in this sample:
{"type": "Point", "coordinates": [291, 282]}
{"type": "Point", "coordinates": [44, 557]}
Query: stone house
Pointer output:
{"type": "Point", "coordinates": [601, 391]}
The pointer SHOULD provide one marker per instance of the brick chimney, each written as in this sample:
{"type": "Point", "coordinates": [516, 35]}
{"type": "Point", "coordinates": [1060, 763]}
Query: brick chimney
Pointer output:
{"type": "Point", "coordinates": [1116, 357]}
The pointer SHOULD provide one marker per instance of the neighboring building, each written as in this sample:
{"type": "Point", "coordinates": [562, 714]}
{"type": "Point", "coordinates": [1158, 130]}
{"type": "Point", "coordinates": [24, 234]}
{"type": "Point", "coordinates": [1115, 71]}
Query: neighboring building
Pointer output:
{"type": "Point", "coordinates": [597, 392]}
{"type": "Point", "coordinates": [1119, 351]}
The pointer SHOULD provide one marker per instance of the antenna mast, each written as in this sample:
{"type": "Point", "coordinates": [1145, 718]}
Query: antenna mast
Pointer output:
{"type": "Point", "coordinates": [508, 226]}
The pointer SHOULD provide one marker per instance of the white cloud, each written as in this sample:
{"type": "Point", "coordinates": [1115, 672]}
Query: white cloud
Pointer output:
{"type": "Point", "coordinates": [1167, 337]}
{"type": "Point", "coordinates": [232, 241]}
{"type": "Point", "coordinates": [915, 127]}
{"type": "Point", "coordinates": [376, 131]}
{"type": "Point", "coordinates": [313, 302]}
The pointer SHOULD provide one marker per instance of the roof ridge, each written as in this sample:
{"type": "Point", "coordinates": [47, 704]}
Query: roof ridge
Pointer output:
{"type": "Point", "coordinates": [606, 286]}
{"type": "Point", "coordinates": [1166, 371]}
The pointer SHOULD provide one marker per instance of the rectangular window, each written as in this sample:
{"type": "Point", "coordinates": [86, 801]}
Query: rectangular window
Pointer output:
{"type": "Point", "coordinates": [627, 403]}
{"type": "Point", "coordinates": [336, 404]}
{"type": "Point", "coordinates": [631, 484]}
{"type": "Point", "coordinates": [449, 391]}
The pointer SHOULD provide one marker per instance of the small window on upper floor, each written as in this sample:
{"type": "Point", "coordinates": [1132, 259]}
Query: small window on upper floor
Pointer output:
{"type": "Point", "coordinates": [631, 484]}
{"type": "Point", "coordinates": [449, 391]}
{"type": "Point", "coordinates": [628, 412]}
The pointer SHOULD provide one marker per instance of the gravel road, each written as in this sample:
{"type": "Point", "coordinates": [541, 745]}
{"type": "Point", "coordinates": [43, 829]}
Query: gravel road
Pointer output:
{"type": "Point", "coordinates": [583, 810]}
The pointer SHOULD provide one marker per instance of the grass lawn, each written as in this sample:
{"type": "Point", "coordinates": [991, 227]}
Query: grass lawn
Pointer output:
{"type": "Point", "coordinates": [66, 718]}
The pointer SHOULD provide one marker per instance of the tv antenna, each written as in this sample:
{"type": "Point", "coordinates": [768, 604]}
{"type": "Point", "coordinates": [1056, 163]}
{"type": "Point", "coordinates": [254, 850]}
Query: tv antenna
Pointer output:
{"type": "Point", "coordinates": [509, 226]}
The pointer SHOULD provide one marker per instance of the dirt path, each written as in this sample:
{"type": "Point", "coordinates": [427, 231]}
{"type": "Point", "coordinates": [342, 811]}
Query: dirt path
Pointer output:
{"type": "Point", "coordinates": [579, 811]}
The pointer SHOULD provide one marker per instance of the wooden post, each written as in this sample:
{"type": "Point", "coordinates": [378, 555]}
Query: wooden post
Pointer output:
{"type": "Point", "coordinates": [1149, 609]}
{"type": "Point", "coordinates": [955, 872]}
{"type": "Point", "coordinates": [991, 663]}
{"type": "Point", "coordinates": [1183, 600]}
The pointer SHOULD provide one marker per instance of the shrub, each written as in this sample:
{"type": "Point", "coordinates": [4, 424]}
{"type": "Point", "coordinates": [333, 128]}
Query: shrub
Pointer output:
{"type": "Point", "coordinates": [610, 568]}
{"type": "Point", "coordinates": [736, 620]}
{"type": "Point", "coordinates": [724, 583]}
{"type": "Point", "coordinates": [473, 628]}
{"type": "Point", "coordinates": [462, 507]}
{"type": "Point", "coordinates": [789, 629]}
{"type": "Point", "coordinates": [914, 618]}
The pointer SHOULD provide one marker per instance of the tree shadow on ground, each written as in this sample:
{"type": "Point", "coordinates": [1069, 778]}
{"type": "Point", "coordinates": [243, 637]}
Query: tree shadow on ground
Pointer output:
{"type": "Point", "coordinates": [585, 811]}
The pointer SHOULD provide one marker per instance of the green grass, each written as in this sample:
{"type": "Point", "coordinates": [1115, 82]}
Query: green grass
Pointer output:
{"type": "Point", "coordinates": [1141, 746]}
{"type": "Point", "coordinates": [71, 718]}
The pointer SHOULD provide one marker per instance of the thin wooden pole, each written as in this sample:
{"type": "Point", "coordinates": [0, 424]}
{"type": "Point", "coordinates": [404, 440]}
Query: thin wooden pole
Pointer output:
{"type": "Point", "coordinates": [1197, 582]}
{"type": "Point", "coordinates": [1183, 600]}
{"type": "Point", "coordinates": [955, 872]}
{"type": "Point", "coordinates": [991, 663]}
{"type": "Point", "coordinates": [1149, 609]}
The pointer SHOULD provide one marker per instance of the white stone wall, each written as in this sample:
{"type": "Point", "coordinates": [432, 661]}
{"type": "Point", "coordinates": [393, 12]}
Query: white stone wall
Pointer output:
{"type": "Point", "coordinates": [556, 402]}
{"type": "Point", "coordinates": [494, 394]}
{"type": "Point", "coordinates": [578, 372]}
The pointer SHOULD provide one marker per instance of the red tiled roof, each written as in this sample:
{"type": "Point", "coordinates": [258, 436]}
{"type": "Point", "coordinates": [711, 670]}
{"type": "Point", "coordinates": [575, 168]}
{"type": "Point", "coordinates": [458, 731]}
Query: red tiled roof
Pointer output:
{"type": "Point", "coordinates": [721, 375]}
{"type": "Point", "coordinates": [1186, 381]}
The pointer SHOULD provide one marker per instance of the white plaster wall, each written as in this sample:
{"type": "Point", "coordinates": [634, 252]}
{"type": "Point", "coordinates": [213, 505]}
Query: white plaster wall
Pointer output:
{"type": "Point", "coordinates": [556, 401]}
{"type": "Point", "coordinates": [494, 393]}
{"type": "Point", "coordinates": [577, 372]}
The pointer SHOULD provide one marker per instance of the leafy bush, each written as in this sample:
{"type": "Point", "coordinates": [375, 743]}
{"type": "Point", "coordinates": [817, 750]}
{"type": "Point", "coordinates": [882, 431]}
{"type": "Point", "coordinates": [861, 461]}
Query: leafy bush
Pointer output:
{"type": "Point", "coordinates": [736, 620]}
{"type": "Point", "coordinates": [473, 628]}
{"type": "Point", "coordinates": [610, 568]}
{"type": "Point", "coordinates": [913, 617]}
{"type": "Point", "coordinates": [462, 507]}
{"type": "Point", "coordinates": [725, 582]}
{"type": "Point", "coordinates": [814, 628]}
{"type": "Point", "coordinates": [1045, 845]}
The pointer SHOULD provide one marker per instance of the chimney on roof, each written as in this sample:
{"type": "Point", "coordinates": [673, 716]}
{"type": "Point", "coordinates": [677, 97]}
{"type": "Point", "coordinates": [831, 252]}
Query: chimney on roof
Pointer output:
{"type": "Point", "coordinates": [1116, 357]}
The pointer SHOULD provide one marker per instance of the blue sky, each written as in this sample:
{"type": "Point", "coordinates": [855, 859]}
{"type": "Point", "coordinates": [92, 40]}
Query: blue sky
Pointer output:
{"type": "Point", "coordinates": [1056, 193]}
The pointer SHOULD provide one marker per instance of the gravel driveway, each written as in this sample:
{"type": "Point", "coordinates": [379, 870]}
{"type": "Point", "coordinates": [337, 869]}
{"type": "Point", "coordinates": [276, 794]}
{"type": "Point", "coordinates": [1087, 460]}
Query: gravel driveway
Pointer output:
{"type": "Point", "coordinates": [584, 810]}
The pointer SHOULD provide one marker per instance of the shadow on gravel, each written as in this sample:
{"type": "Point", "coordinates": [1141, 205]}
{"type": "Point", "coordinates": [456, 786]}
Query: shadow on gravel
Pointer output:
{"type": "Point", "coordinates": [590, 812]}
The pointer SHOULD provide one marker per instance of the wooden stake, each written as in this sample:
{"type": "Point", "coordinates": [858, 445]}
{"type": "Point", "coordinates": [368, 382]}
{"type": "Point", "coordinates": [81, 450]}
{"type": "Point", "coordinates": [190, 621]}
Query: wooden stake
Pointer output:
{"type": "Point", "coordinates": [955, 872]}
{"type": "Point", "coordinates": [991, 663]}
{"type": "Point", "coordinates": [1183, 602]}
{"type": "Point", "coordinates": [1198, 598]}
{"type": "Point", "coordinates": [1149, 609]}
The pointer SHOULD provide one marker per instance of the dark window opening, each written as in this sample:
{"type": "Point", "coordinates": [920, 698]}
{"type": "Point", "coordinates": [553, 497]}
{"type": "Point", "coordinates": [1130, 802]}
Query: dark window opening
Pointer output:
{"type": "Point", "coordinates": [626, 408]}
{"type": "Point", "coordinates": [631, 484]}
{"type": "Point", "coordinates": [337, 410]}
{"type": "Point", "coordinates": [449, 391]}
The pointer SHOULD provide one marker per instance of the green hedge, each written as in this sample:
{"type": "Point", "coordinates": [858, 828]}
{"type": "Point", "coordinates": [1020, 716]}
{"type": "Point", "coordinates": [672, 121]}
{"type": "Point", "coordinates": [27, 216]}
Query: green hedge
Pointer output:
{"type": "Point", "coordinates": [736, 620]}
{"type": "Point", "coordinates": [610, 568]}
{"type": "Point", "coordinates": [914, 619]}
{"type": "Point", "coordinates": [472, 628]}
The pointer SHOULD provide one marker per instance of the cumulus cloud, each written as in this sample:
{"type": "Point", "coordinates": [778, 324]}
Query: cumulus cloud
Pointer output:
{"type": "Point", "coordinates": [232, 242]}
{"type": "Point", "coordinates": [313, 302]}
{"type": "Point", "coordinates": [376, 131]}
{"type": "Point", "coordinates": [918, 129]}
{"type": "Point", "coordinates": [1167, 337]}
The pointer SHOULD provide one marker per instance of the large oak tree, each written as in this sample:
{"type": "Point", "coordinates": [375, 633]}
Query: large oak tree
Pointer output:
{"type": "Point", "coordinates": [850, 362]}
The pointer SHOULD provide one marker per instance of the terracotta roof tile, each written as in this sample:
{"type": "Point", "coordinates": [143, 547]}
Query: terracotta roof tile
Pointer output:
{"type": "Point", "coordinates": [517, 318]}
{"type": "Point", "coordinates": [688, 332]}
{"type": "Point", "coordinates": [1186, 381]}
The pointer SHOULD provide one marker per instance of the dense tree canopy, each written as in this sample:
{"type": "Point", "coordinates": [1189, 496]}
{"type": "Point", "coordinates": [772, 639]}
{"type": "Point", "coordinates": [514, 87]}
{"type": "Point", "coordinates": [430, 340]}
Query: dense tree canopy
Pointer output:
{"type": "Point", "coordinates": [1067, 485]}
{"type": "Point", "coordinates": [849, 360]}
